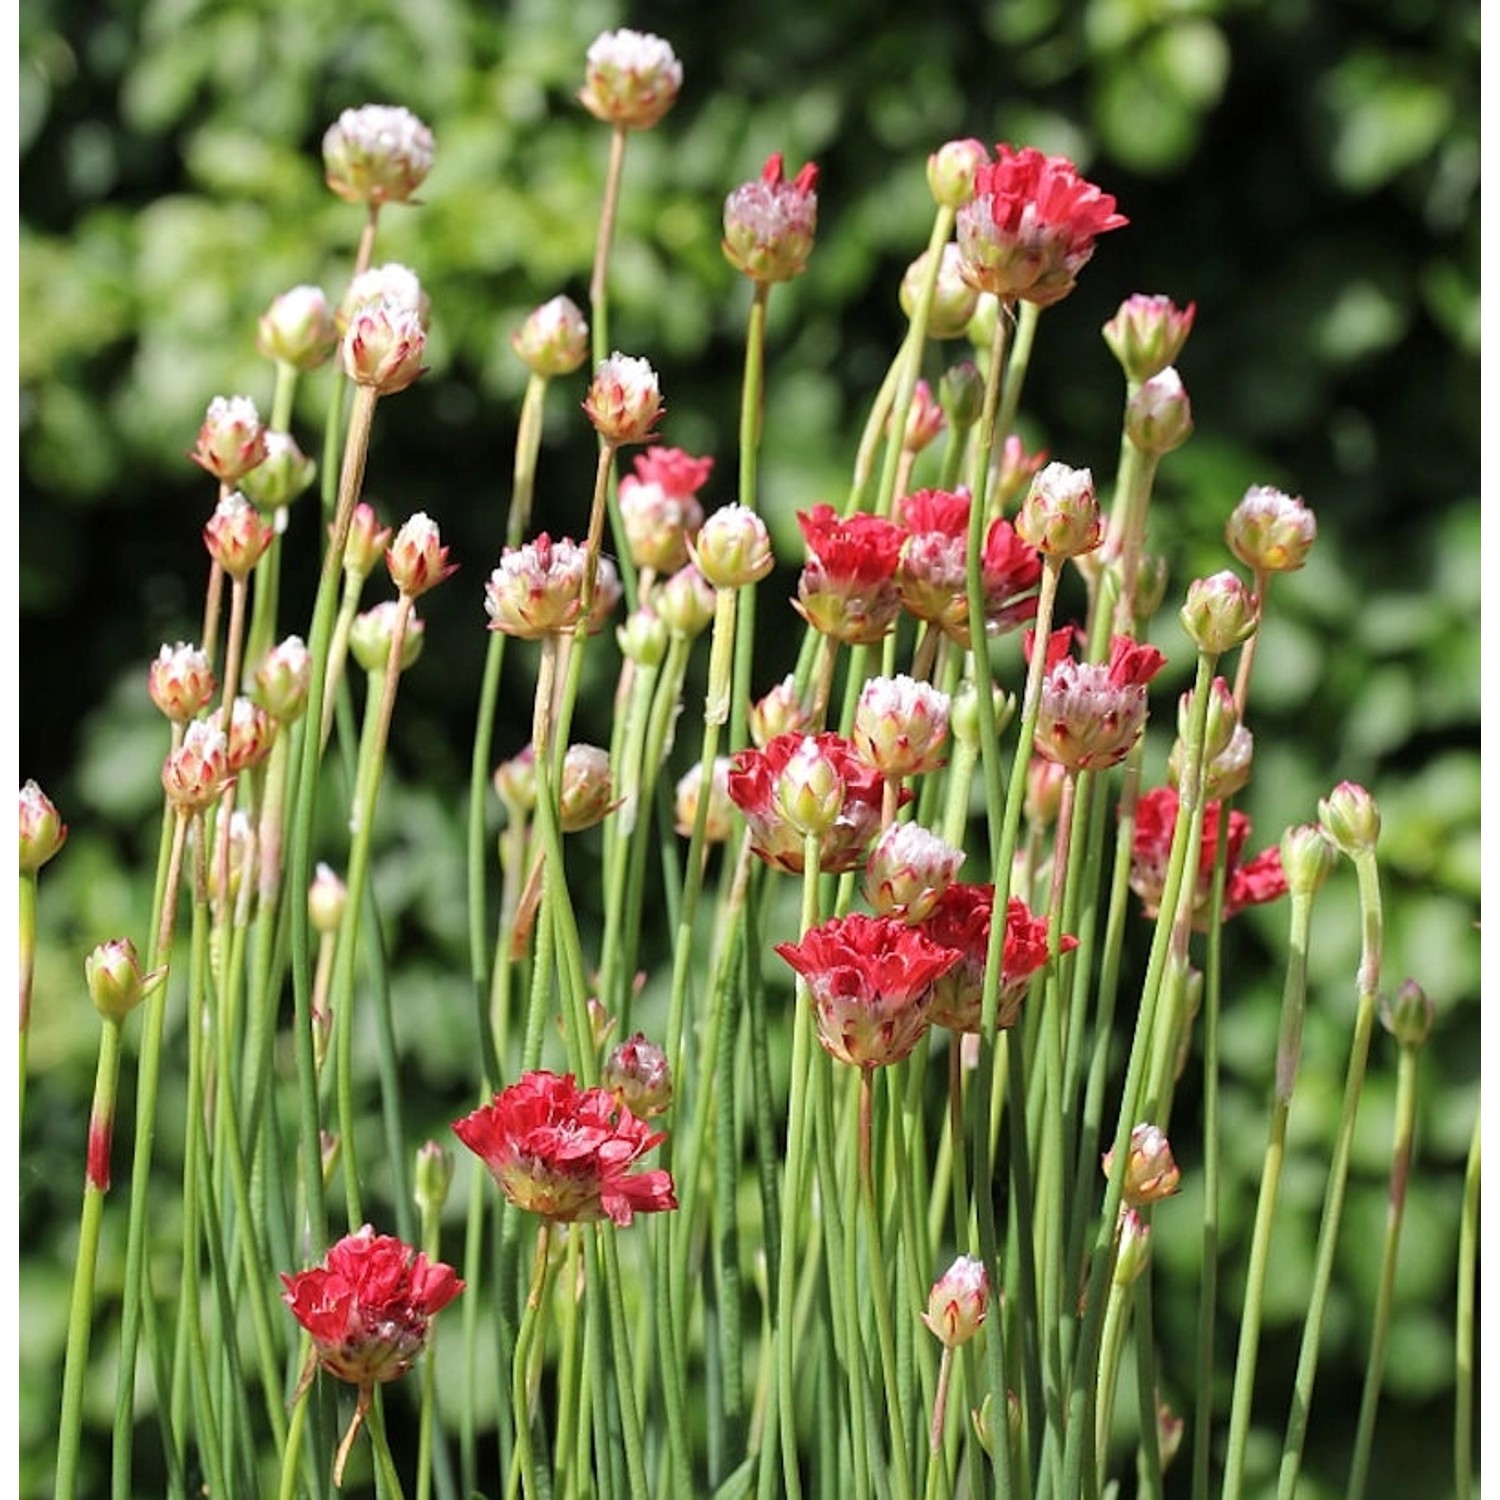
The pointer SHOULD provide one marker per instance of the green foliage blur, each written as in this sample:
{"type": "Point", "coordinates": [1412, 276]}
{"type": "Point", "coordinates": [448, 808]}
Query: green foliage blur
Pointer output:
{"type": "Point", "coordinates": [1307, 174]}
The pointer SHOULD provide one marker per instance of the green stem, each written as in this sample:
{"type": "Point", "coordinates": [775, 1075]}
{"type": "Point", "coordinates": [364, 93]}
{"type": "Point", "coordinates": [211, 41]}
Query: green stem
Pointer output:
{"type": "Point", "coordinates": [599, 280]}
{"type": "Point", "coordinates": [26, 946]}
{"type": "Point", "coordinates": [1468, 1262]}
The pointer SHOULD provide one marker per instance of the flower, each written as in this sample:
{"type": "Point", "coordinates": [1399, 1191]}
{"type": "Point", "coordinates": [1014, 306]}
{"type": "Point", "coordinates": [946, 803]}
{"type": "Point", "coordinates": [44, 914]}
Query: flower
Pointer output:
{"type": "Point", "coordinates": [908, 870]}
{"type": "Point", "coordinates": [1270, 531]}
{"type": "Point", "coordinates": [959, 1302]}
{"type": "Point", "coordinates": [554, 339]}
{"type": "Point", "coordinates": [1260, 879]}
{"type": "Point", "coordinates": [733, 548]}
{"type": "Point", "coordinates": [624, 400]}
{"type": "Point", "coordinates": [1092, 713]}
{"type": "Point", "coordinates": [379, 153]}
{"type": "Point", "coordinates": [961, 921]}
{"type": "Point", "coordinates": [42, 831]}
{"type": "Point", "coordinates": [754, 778]}
{"type": "Point", "coordinates": [769, 223]}
{"type": "Point", "coordinates": [252, 732]}
{"type": "Point", "coordinates": [638, 1074]}
{"type": "Point", "coordinates": [231, 441]}
{"type": "Point", "coordinates": [565, 1153]}
{"type": "Point", "coordinates": [284, 678]}
{"type": "Point", "coordinates": [632, 78]}
{"type": "Point", "coordinates": [383, 346]}
{"type": "Point", "coordinates": [870, 983]}
{"type": "Point", "coordinates": [181, 682]}
{"type": "Point", "coordinates": [115, 982]}
{"type": "Point", "coordinates": [847, 588]}
{"type": "Point", "coordinates": [1147, 334]}
{"type": "Point", "coordinates": [1030, 226]}
{"type": "Point", "coordinates": [900, 725]}
{"type": "Point", "coordinates": [537, 588]}
{"type": "Point", "coordinates": [417, 559]}
{"type": "Point", "coordinates": [1150, 1172]}
{"type": "Point", "coordinates": [194, 774]}
{"type": "Point", "coordinates": [237, 536]}
{"type": "Point", "coordinates": [659, 506]}
{"type": "Point", "coordinates": [1060, 515]}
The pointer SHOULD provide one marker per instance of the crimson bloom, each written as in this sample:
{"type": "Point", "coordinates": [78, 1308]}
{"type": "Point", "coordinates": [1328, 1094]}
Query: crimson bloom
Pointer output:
{"type": "Point", "coordinates": [1257, 880]}
{"type": "Point", "coordinates": [565, 1153]}
{"type": "Point", "coordinates": [754, 775]}
{"type": "Point", "coordinates": [1092, 713]}
{"type": "Point", "coordinates": [961, 921]}
{"type": "Point", "coordinates": [770, 223]}
{"type": "Point", "coordinates": [1030, 226]}
{"type": "Point", "coordinates": [847, 588]}
{"type": "Point", "coordinates": [870, 980]}
{"type": "Point", "coordinates": [659, 506]}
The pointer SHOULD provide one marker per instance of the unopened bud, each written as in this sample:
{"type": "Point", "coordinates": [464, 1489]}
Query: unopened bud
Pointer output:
{"type": "Point", "coordinates": [1150, 1172]}
{"type": "Point", "coordinates": [283, 680]}
{"type": "Point", "coordinates": [636, 1072]}
{"type": "Point", "coordinates": [237, 536]}
{"type": "Point", "coordinates": [644, 637]}
{"type": "Point", "coordinates": [373, 633]}
{"type": "Point", "coordinates": [42, 830]}
{"type": "Point", "coordinates": [282, 476]}
{"type": "Point", "coordinates": [298, 329]}
{"type": "Point", "coordinates": [366, 542]}
{"type": "Point", "coordinates": [809, 793]}
{"type": "Point", "coordinates": [1147, 334]}
{"type": "Point", "coordinates": [181, 682]}
{"type": "Point", "coordinates": [1351, 818]}
{"type": "Point", "coordinates": [1158, 415]}
{"type": "Point", "coordinates": [417, 559]}
{"type": "Point", "coordinates": [587, 790]}
{"type": "Point", "coordinates": [733, 548]}
{"type": "Point", "coordinates": [1270, 531]}
{"type": "Point", "coordinates": [961, 391]}
{"type": "Point", "coordinates": [1220, 613]}
{"type": "Point", "coordinates": [379, 153]}
{"type": "Point", "coordinates": [632, 78]}
{"type": "Point", "coordinates": [959, 1302]}
{"type": "Point", "coordinates": [951, 169]}
{"type": "Point", "coordinates": [383, 347]}
{"type": "Point", "coordinates": [685, 601]}
{"type": "Point", "coordinates": [1408, 1017]}
{"type": "Point", "coordinates": [1060, 515]}
{"type": "Point", "coordinates": [326, 897]}
{"type": "Point", "coordinates": [432, 1178]}
{"type": "Point", "coordinates": [780, 711]}
{"type": "Point", "coordinates": [554, 339]}
{"type": "Point", "coordinates": [624, 400]}
{"type": "Point", "coordinates": [1307, 857]}
{"type": "Point", "coordinates": [194, 774]}
{"type": "Point", "coordinates": [116, 983]}
{"type": "Point", "coordinates": [953, 299]}
{"type": "Point", "coordinates": [231, 440]}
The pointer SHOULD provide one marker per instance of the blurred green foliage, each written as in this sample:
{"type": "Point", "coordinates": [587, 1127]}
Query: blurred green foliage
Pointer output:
{"type": "Point", "coordinates": [1307, 174]}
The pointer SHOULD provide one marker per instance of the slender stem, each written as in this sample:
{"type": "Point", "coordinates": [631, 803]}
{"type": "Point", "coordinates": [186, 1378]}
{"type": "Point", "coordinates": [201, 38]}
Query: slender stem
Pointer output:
{"type": "Point", "coordinates": [1468, 1263]}
{"type": "Point", "coordinates": [599, 280]}
{"type": "Point", "coordinates": [26, 951]}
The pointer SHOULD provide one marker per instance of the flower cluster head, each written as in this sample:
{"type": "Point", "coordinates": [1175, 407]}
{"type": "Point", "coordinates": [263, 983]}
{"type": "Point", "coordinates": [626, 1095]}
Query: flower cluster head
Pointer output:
{"type": "Point", "coordinates": [1158, 415]}
{"type": "Point", "coordinates": [959, 1302]}
{"type": "Point", "coordinates": [1147, 334]}
{"type": "Point", "coordinates": [554, 339]}
{"type": "Point", "coordinates": [1060, 515]}
{"type": "Point", "coordinates": [1246, 884]}
{"type": "Point", "coordinates": [961, 921]}
{"type": "Point", "coordinates": [1150, 1172]}
{"type": "Point", "coordinates": [1269, 531]}
{"type": "Point", "coordinates": [1092, 713]}
{"type": "Point", "coordinates": [417, 558]}
{"type": "Point", "coordinates": [632, 79]}
{"type": "Point", "coordinates": [847, 589]}
{"type": "Point", "coordinates": [383, 345]}
{"type": "Point", "coordinates": [932, 570]}
{"type": "Point", "coordinates": [908, 871]}
{"type": "Point", "coordinates": [870, 982]}
{"type": "Point", "coordinates": [232, 439]}
{"type": "Point", "coordinates": [586, 790]}
{"type": "Point", "coordinates": [379, 153]}
{"type": "Point", "coordinates": [637, 1073]}
{"type": "Point", "coordinates": [1030, 226]}
{"type": "Point", "coordinates": [785, 771]}
{"type": "Point", "coordinates": [41, 829]}
{"type": "Point", "coordinates": [298, 329]}
{"type": "Point", "coordinates": [389, 282]}
{"type": "Point", "coordinates": [537, 588]}
{"type": "Point", "coordinates": [196, 772]}
{"type": "Point", "coordinates": [566, 1153]}
{"type": "Point", "coordinates": [900, 725]}
{"type": "Point", "coordinates": [1220, 612]}
{"type": "Point", "coordinates": [181, 682]}
{"type": "Point", "coordinates": [770, 223]}
{"type": "Point", "coordinates": [659, 506]}
{"type": "Point", "coordinates": [251, 734]}
{"type": "Point", "coordinates": [624, 400]}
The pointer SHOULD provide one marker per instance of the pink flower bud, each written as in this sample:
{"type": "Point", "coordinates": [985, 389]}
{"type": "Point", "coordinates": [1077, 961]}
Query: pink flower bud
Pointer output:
{"type": "Point", "coordinates": [180, 682]}
{"type": "Point", "coordinates": [1351, 818]}
{"type": "Point", "coordinates": [1271, 532]}
{"type": "Point", "coordinates": [366, 542]}
{"type": "Point", "coordinates": [586, 792]}
{"type": "Point", "coordinates": [624, 400]}
{"type": "Point", "coordinates": [195, 773]}
{"type": "Point", "coordinates": [638, 1075]}
{"type": "Point", "coordinates": [373, 633]}
{"type": "Point", "coordinates": [951, 170]}
{"type": "Point", "coordinates": [537, 588]}
{"type": "Point", "coordinates": [908, 870]}
{"type": "Point", "coordinates": [383, 347]}
{"type": "Point", "coordinates": [554, 339]}
{"type": "Point", "coordinates": [515, 783]}
{"type": "Point", "coordinates": [283, 680]}
{"type": "Point", "coordinates": [1044, 784]}
{"type": "Point", "coordinates": [769, 223]}
{"type": "Point", "coordinates": [959, 1302]}
{"type": "Point", "coordinates": [1220, 612]}
{"type": "Point", "coordinates": [809, 792]}
{"type": "Point", "coordinates": [900, 725]}
{"type": "Point", "coordinates": [115, 981]}
{"type": "Point", "coordinates": [1409, 1016]}
{"type": "Point", "coordinates": [1150, 1172]}
{"type": "Point", "coordinates": [632, 78]}
{"type": "Point", "coordinates": [390, 282]}
{"type": "Point", "coordinates": [779, 712]}
{"type": "Point", "coordinates": [284, 474]}
{"type": "Point", "coordinates": [237, 536]}
{"type": "Point", "coordinates": [1158, 415]}
{"type": "Point", "coordinates": [417, 558]}
{"type": "Point", "coordinates": [298, 329]}
{"type": "Point", "coordinates": [718, 822]}
{"type": "Point", "coordinates": [1147, 334]}
{"type": "Point", "coordinates": [733, 548]}
{"type": "Point", "coordinates": [252, 732]}
{"type": "Point", "coordinates": [326, 898]}
{"type": "Point", "coordinates": [1060, 515]}
{"type": "Point", "coordinates": [924, 420]}
{"type": "Point", "coordinates": [231, 440]}
{"type": "Point", "coordinates": [42, 831]}
{"type": "Point", "coordinates": [953, 299]}
{"type": "Point", "coordinates": [659, 524]}
{"type": "Point", "coordinates": [379, 153]}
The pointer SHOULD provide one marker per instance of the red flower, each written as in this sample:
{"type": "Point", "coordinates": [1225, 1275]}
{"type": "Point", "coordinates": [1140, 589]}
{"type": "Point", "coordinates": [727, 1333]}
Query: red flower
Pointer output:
{"type": "Point", "coordinates": [565, 1152]}
{"type": "Point", "coordinates": [1030, 226]}
{"type": "Point", "coordinates": [1092, 713]}
{"type": "Point", "coordinates": [870, 980]}
{"type": "Point", "coordinates": [1260, 879]}
{"type": "Point", "coordinates": [847, 587]}
{"type": "Point", "coordinates": [769, 223]}
{"type": "Point", "coordinates": [961, 921]}
{"type": "Point", "coordinates": [753, 777]}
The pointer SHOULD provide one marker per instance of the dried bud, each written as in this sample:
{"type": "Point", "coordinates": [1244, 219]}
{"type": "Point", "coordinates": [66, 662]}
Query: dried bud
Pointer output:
{"type": "Point", "coordinates": [959, 1302]}
{"type": "Point", "coordinates": [632, 79]}
{"type": "Point", "coordinates": [733, 548]}
{"type": "Point", "coordinates": [1147, 334]}
{"type": "Point", "coordinates": [417, 558]}
{"type": "Point", "coordinates": [1408, 1017]}
{"type": "Point", "coordinates": [770, 223]}
{"type": "Point", "coordinates": [953, 299]}
{"type": "Point", "coordinates": [554, 339]}
{"type": "Point", "coordinates": [1158, 415]}
{"type": "Point", "coordinates": [432, 1178]}
{"type": "Point", "coordinates": [116, 984]}
{"type": "Point", "coordinates": [42, 831]}
{"type": "Point", "coordinates": [537, 589]}
{"type": "Point", "coordinates": [282, 476]}
{"type": "Point", "coordinates": [231, 440]}
{"type": "Point", "coordinates": [951, 170]}
{"type": "Point", "coordinates": [366, 542]}
{"type": "Point", "coordinates": [194, 774]}
{"type": "Point", "coordinates": [283, 680]}
{"type": "Point", "coordinates": [1220, 613]}
{"type": "Point", "coordinates": [181, 682]}
{"type": "Point", "coordinates": [1060, 515]}
{"type": "Point", "coordinates": [1351, 818]}
{"type": "Point", "coordinates": [326, 897]}
{"type": "Point", "coordinates": [298, 329]}
{"type": "Point", "coordinates": [383, 346]}
{"type": "Point", "coordinates": [379, 153]}
{"type": "Point", "coordinates": [586, 793]}
{"type": "Point", "coordinates": [373, 633]}
{"type": "Point", "coordinates": [1271, 532]}
{"type": "Point", "coordinates": [809, 792]}
{"type": "Point", "coordinates": [636, 1072]}
{"type": "Point", "coordinates": [624, 400]}
{"type": "Point", "coordinates": [1307, 857]}
{"type": "Point", "coordinates": [1150, 1172]}
{"type": "Point", "coordinates": [779, 712]}
{"type": "Point", "coordinates": [901, 725]}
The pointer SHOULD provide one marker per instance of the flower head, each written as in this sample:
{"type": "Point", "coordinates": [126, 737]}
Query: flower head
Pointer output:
{"type": "Point", "coordinates": [1060, 515]}
{"type": "Point", "coordinates": [1270, 531]}
{"type": "Point", "coordinates": [954, 301]}
{"type": "Point", "coordinates": [379, 153]}
{"type": "Point", "coordinates": [383, 346]}
{"type": "Point", "coordinates": [1030, 226]}
{"type": "Point", "coordinates": [959, 1302]}
{"type": "Point", "coordinates": [417, 558]}
{"type": "Point", "coordinates": [298, 329]}
{"type": "Point", "coordinates": [42, 830]}
{"type": "Point", "coordinates": [194, 774]}
{"type": "Point", "coordinates": [908, 870]}
{"type": "Point", "coordinates": [1092, 713]}
{"type": "Point", "coordinates": [624, 400]}
{"type": "Point", "coordinates": [659, 506]}
{"type": "Point", "coordinates": [181, 682]}
{"type": "Point", "coordinates": [237, 536]}
{"type": "Point", "coordinates": [952, 169]}
{"type": "Point", "coordinates": [1220, 612]}
{"type": "Point", "coordinates": [847, 588]}
{"type": "Point", "coordinates": [733, 548]}
{"type": "Point", "coordinates": [870, 983]}
{"type": "Point", "coordinates": [1147, 334]}
{"type": "Point", "coordinates": [284, 678]}
{"type": "Point", "coordinates": [565, 1153]}
{"type": "Point", "coordinates": [900, 725]}
{"type": "Point", "coordinates": [537, 589]}
{"type": "Point", "coordinates": [632, 78]}
{"type": "Point", "coordinates": [1158, 415]}
{"type": "Point", "coordinates": [586, 789]}
{"type": "Point", "coordinates": [115, 982]}
{"type": "Point", "coordinates": [779, 711]}
{"type": "Point", "coordinates": [373, 633]}
{"type": "Point", "coordinates": [638, 1074]}
{"type": "Point", "coordinates": [769, 223]}
{"type": "Point", "coordinates": [718, 821]}
{"type": "Point", "coordinates": [389, 282]}
{"type": "Point", "coordinates": [1150, 1172]}
{"type": "Point", "coordinates": [1351, 818]}
{"type": "Point", "coordinates": [231, 441]}
{"type": "Point", "coordinates": [252, 732]}
{"type": "Point", "coordinates": [554, 339]}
